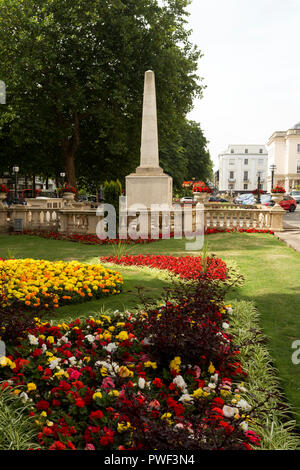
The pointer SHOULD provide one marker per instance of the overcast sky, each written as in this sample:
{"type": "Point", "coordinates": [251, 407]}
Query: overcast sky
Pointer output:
{"type": "Point", "coordinates": [251, 67]}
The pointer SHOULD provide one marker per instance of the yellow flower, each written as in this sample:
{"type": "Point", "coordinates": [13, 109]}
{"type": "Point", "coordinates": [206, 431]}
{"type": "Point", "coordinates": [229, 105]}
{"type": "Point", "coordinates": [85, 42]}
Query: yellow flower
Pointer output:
{"type": "Point", "coordinates": [150, 364]}
{"type": "Point", "coordinates": [124, 372]}
{"type": "Point", "coordinates": [103, 371]}
{"type": "Point", "coordinates": [122, 336]}
{"type": "Point", "coordinates": [123, 426]}
{"type": "Point", "coordinates": [50, 339]}
{"type": "Point", "coordinates": [211, 369]}
{"type": "Point", "coordinates": [31, 386]}
{"type": "Point", "coordinates": [97, 395]}
{"type": "Point", "coordinates": [198, 393]}
{"type": "Point", "coordinates": [175, 364]}
{"type": "Point", "coordinates": [166, 416]}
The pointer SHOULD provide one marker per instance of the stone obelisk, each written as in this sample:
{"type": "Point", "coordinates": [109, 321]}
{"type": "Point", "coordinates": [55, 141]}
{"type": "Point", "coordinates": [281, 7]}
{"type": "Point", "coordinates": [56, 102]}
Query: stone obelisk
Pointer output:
{"type": "Point", "coordinates": [149, 184]}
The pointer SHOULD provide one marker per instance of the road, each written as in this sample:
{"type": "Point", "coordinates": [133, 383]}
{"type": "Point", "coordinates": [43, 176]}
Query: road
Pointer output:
{"type": "Point", "coordinates": [291, 220]}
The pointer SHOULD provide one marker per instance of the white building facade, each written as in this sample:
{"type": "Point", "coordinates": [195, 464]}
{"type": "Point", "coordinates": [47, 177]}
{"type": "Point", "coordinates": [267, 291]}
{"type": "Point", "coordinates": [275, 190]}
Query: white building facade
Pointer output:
{"type": "Point", "coordinates": [240, 166]}
{"type": "Point", "coordinates": [284, 153]}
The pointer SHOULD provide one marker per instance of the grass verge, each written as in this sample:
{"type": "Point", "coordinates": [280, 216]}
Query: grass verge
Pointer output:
{"type": "Point", "coordinates": [16, 430]}
{"type": "Point", "coordinates": [275, 425]}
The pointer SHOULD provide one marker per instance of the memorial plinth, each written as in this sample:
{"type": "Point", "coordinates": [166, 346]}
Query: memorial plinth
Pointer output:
{"type": "Point", "coordinates": [149, 184]}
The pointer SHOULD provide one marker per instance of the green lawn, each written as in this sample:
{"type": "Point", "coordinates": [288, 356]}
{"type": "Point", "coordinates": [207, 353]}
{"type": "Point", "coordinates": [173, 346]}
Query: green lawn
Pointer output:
{"type": "Point", "coordinates": [272, 273]}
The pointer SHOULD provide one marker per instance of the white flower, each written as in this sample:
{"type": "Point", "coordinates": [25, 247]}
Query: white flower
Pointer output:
{"type": "Point", "coordinates": [24, 396]}
{"type": "Point", "coordinates": [62, 340]}
{"type": "Point", "coordinates": [212, 385]}
{"type": "Point", "coordinates": [112, 368]}
{"type": "Point", "coordinates": [214, 378]}
{"type": "Point", "coordinates": [180, 382]}
{"type": "Point", "coordinates": [244, 405]}
{"type": "Point", "coordinates": [244, 426]}
{"type": "Point", "coordinates": [44, 348]}
{"type": "Point", "coordinates": [72, 360]}
{"type": "Point", "coordinates": [229, 412]}
{"type": "Point", "coordinates": [33, 340]}
{"type": "Point", "coordinates": [111, 347]}
{"type": "Point", "coordinates": [186, 398]}
{"type": "Point", "coordinates": [90, 338]}
{"type": "Point", "coordinates": [141, 382]}
{"type": "Point", "coordinates": [225, 325]}
{"type": "Point", "coordinates": [147, 341]}
{"type": "Point", "coordinates": [229, 310]}
{"type": "Point", "coordinates": [54, 363]}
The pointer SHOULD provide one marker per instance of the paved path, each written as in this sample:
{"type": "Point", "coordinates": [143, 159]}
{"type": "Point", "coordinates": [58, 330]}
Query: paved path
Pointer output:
{"type": "Point", "coordinates": [291, 238]}
{"type": "Point", "coordinates": [291, 220]}
{"type": "Point", "coordinates": [291, 225]}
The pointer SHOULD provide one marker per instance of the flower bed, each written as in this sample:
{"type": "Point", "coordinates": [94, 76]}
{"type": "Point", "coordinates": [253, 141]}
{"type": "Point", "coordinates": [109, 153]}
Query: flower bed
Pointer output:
{"type": "Point", "coordinates": [168, 378]}
{"type": "Point", "coordinates": [94, 240]}
{"type": "Point", "coordinates": [37, 283]}
{"type": "Point", "coordinates": [187, 267]}
{"type": "Point", "coordinates": [210, 231]}
{"type": "Point", "coordinates": [87, 239]}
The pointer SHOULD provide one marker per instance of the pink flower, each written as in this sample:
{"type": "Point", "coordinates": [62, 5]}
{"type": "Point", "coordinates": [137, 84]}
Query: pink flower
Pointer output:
{"type": "Point", "coordinates": [107, 383]}
{"type": "Point", "coordinates": [89, 447]}
{"type": "Point", "coordinates": [197, 371]}
{"type": "Point", "coordinates": [154, 404]}
{"type": "Point", "coordinates": [74, 374]}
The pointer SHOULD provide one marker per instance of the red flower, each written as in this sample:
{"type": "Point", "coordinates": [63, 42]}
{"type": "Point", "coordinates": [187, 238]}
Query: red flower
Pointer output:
{"type": "Point", "coordinates": [42, 405]}
{"type": "Point", "coordinates": [108, 437]}
{"type": "Point", "coordinates": [158, 383]}
{"type": "Point", "coordinates": [79, 402]}
{"type": "Point", "coordinates": [96, 414]}
{"type": "Point", "coordinates": [57, 445]}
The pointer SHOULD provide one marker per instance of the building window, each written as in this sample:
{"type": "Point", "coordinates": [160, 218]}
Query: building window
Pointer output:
{"type": "Point", "coordinates": [246, 161]}
{"type": "Point", "coordinates": [246, 150]}
{"type": "Point", "coordinates": [231, 161]}
{"type": "Point", "coordinates": [231, 175]}
{"type": "Point", "coordinates": [245, 175]}
{"type": "Point", "coordinates": [232, 150]}
{"type": "Point", "coordinates": [260, 150]}
{"type": "Point", "coordinates": [298, 148]}
{"type": "Point", "coordinates": [298, 167]}
{"type": "Point", "coordinates": [231, 186]}
{"type": "Point", "coordinates": [245, 186]}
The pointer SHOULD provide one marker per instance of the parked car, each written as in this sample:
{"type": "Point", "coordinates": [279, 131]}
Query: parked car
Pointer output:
{"type": "Point", "coordinates": [296, 195]}
{"type": "Point", "coordinates": [247, 199]}
{"type": "Point", "coordinates": [217, 199]}
{"type": "Point", "coordinates": [288, 203]}
{"type": "Point", "coordinates": [187, 200]}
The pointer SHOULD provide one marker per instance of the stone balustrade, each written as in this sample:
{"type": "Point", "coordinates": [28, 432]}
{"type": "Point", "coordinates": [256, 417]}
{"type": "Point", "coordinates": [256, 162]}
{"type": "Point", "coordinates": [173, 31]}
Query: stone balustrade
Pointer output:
{"type": "Point", "coordinates": [84, 221]}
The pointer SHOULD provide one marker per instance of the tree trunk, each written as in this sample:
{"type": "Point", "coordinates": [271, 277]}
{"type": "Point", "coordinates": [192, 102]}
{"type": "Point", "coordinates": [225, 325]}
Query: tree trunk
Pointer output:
{"type": "Point", "coordinates": [33, 186]}
{"type": "Point", "coordinates": [69, 146]}
{"type": "Point", "coordinates": [70, 166]}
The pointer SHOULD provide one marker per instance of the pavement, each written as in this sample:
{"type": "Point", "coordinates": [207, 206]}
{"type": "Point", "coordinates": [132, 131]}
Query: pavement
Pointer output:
{"type": "Point", "coordinates": [291, 225]}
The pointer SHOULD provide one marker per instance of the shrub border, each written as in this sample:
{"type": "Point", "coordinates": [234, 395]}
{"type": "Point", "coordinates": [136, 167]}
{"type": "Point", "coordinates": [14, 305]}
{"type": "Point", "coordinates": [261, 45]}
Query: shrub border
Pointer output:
{"type": "Point", "coordinates": [277, 428]}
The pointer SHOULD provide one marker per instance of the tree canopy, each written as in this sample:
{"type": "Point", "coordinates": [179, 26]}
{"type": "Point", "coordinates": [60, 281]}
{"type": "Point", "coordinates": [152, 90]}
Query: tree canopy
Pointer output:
{"type": "Point", "coordinates": [74, 72]}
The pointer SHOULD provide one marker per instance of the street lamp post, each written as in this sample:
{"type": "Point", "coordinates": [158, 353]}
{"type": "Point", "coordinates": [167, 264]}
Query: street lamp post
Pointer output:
{"type": "Point", "coordinates": [258, 188]}
{"type": "Point", "coordinates": [16, 171]}
{"type": "Point", "coordinates": [272, 168]}
{"type": "Point", "coordinates": [62, 175]}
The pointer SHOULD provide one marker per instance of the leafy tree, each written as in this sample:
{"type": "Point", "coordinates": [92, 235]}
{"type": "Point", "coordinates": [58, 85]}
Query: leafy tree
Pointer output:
{"type": "Point", "coordinates": [74, 73]}
{"type": "Point", "coordinates": [199, 164]}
